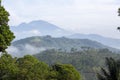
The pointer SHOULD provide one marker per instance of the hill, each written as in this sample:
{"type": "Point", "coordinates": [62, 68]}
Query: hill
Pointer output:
{"type": "Point", "coordinates": [104, 40]}
{"type": "Point", "coordinates": [36, 44]}
{"type": "Point", "coordinates": [88, 62]}
{"type": "Point", "coordinates": [42, 28]}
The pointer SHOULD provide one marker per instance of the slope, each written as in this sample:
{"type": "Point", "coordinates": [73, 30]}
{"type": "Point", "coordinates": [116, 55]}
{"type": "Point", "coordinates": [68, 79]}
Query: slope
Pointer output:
{"type": "Point", "coordinates": [32, 45]}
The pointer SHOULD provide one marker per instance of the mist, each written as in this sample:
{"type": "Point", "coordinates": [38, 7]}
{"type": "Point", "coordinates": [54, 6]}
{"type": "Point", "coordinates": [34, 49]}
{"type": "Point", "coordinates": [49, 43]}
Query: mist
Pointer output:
{"type": "Point", "coordinates": [25, 50]}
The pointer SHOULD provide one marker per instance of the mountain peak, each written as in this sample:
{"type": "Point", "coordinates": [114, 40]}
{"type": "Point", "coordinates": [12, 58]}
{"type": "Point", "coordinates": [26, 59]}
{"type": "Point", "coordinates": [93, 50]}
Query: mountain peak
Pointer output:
{"type": "Point", "coordinates": [38, 28]}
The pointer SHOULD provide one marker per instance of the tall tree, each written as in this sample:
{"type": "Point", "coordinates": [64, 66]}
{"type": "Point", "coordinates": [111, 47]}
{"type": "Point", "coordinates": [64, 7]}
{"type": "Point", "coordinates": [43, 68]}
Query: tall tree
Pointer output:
{"type": "Point", "coordinates": [6, 36]}
{"type": "Point", "coordinates": [112, 72]}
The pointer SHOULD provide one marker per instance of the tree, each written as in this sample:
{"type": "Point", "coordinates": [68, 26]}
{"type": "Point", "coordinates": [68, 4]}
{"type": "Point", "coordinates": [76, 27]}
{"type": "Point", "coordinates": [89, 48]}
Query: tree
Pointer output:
{"type": "Point", "coordinates": [112, 72]}
{"type": "Point", "coordinates": [6, 36]}
{"type": "Point", "coordinates": [64, 72]}
{"type": "Point", "coordinates": [31, 69]}
{"type": "Point", "coordinates": [8, 67]}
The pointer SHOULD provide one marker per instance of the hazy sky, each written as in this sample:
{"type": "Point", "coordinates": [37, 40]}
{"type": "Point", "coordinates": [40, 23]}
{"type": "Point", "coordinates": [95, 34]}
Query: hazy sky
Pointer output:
{"type": "Point", "coordinates": [81, 16]}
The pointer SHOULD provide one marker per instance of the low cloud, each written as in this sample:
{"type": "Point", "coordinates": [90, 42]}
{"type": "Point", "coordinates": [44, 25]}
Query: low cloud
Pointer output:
{"type": "Point", "coordinates": [24, 50]}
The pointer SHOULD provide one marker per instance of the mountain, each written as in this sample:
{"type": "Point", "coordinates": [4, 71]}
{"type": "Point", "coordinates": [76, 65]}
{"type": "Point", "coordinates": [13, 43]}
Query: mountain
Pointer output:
{"type": "Point", "coordinates": [37, 28]}
{"type": "Point", "coordinates": [42, 28]}
{"type": "Point", "coordinates": [37, 44]}
{"type": "Point", "coordinates": [104, 40]}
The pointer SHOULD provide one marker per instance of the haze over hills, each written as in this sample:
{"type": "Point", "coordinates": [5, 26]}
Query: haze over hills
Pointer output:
{"type": "Point", "coordinates": [33, 45]}
{"type": "Point", "coordinates": [104, 40]}
{"type": "Point", "coordinates": [38, 28]}
{"type": "Point", "coordinates": [42, 28]}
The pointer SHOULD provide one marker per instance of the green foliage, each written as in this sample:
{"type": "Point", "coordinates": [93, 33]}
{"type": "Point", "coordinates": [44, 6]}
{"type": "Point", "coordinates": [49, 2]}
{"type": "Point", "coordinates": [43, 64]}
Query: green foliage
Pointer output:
{"type": "Point", "coordinates": [8, 67]}
{"type": "Point", "coordinates": [87, 61]}
{"type": "Point", "coordinates": [6, 36]}
{"type": "Point", "coordinates": [65, 72]}
{"type": "Point", "coordinates": [30, 68]}
{"type": "Point", "coordinates": [112, 72]}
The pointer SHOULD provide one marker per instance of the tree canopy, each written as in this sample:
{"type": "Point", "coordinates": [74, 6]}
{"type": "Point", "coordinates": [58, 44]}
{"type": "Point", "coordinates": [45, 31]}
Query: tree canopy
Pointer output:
{"type": "Point", "coordinates": [30, 68]}
{"type": "Point", "coordinates": [65, 72]}
{"type": "Point", "coordinates": [6, 36]}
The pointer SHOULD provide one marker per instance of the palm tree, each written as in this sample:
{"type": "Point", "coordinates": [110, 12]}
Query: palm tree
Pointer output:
{"type": "Point", "coordinates": [112, 72]}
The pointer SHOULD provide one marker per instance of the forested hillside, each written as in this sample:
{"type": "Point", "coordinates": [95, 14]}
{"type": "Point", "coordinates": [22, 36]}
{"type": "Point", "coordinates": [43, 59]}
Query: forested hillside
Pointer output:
{"type": "Point", "coordinates": [61, 42]}
{"type": "Point", "coordinates": [87, 61]}
{"type": "Point", "coordinates": [33, 45]}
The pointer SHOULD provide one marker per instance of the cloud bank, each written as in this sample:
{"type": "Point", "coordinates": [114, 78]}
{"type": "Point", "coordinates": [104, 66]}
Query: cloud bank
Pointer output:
{"type": "Point", "coordinates": [24, 50]}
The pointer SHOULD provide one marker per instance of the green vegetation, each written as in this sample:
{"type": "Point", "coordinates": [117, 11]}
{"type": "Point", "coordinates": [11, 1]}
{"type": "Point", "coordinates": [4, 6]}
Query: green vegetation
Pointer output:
{"type": "Point", "coordinates": [87, 61]}
{"type": "Point", "coordinates": [29, 68]}
{"type": "Point", "coordinates": [40, 43]}
{"type": "Point", "coordinates": [112, 72]}
{"type": "Point", "coordinates": [32, 69]}
{"type": "Point", "coordinates": [64, 72]}
{"type": "Point", "coordinates": [63, 43]}
{"type": "Point", "coordinates": [6, 36]}
{"type": "Point", "coordinates": [8, 68]}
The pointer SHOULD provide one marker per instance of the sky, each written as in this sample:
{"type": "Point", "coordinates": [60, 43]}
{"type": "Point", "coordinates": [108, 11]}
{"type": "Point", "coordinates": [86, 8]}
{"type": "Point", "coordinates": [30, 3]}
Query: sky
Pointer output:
{"type": "Point", "coordinates": [79, 16]}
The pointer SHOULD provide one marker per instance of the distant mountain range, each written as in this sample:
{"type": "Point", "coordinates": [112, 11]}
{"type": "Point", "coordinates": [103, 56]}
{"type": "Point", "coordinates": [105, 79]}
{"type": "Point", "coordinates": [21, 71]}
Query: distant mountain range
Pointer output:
{"type": "Point", "coordinates": [38, 28]}
{"type": "Point", "coordinates": [104, 40]}
{"type": "Point", "coordinates": [42, 28]}
{"type": "Point", "coordinates": [33, 45]}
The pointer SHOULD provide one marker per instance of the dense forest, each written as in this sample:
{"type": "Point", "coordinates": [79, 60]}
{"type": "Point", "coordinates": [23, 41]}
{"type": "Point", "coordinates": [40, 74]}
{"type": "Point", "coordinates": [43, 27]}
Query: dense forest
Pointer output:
{"type": "Point", "coordinates": [88, 61]}
{"type": "Point", "coordinates": [30, 68]}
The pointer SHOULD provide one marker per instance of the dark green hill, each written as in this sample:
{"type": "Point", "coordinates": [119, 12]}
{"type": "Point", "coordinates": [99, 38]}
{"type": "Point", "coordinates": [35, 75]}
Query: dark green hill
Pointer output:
{"type": "Point", "coordinates": [88, 62]}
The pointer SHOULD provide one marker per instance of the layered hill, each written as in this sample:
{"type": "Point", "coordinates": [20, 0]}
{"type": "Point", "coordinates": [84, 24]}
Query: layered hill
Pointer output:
{"type": "Point", "coordinates": [33, 45]}
{"type": "Point", "coordinates": [42, 28]}
{"type": "Point", "coordinates": [104, 40]}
